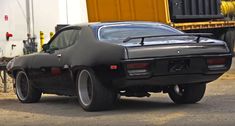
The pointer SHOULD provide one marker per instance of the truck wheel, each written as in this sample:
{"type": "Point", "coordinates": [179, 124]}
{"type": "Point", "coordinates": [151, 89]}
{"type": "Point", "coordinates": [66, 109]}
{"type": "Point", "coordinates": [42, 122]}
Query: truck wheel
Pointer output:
{"type": "Point", "coordinates": [92, 94]}
{"type": "Point", "coordinates": [25, 92]}
{"type": "Point", "coordinates": [187, 94]}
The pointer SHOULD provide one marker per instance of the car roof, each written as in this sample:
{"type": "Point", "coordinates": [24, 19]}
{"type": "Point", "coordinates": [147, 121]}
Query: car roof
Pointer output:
{"type": "Point", "coordinates": [100, 24]}
{"type": "Point", "coordinates": [97, 25]}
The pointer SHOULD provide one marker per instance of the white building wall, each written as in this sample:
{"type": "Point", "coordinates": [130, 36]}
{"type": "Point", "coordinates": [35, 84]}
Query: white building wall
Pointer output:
{"type": "Point", "coordinates": [77, 12]}
{"type": "Point", "coordinates": [16, 23]}
{"type": "Point", "coordinates": [47, 14]}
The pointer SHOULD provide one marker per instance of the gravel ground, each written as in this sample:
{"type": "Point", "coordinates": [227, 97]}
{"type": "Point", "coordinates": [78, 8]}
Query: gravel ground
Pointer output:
{"type": "Point", "coordinates": [216, 109]}
{"type": "Point", "coordinates": [9, 84]}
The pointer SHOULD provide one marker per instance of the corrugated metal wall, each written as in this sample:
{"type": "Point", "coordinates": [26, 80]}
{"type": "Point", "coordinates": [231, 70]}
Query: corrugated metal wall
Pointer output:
{"type": "Point", "coordinates": [127, 10]}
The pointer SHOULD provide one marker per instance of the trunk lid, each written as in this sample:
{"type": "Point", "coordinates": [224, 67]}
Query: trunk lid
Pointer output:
{"type": "Point", "coordinates": [175, 48]}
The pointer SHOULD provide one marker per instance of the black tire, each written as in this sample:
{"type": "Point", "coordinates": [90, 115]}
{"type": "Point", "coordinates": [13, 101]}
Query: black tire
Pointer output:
{"type": "Point", "coordinates": [187, 94]}
{"type": "Point", "coordinates": [92, 94]}
{"type": "Point", "coordinates": [229, 38]}
{"type": "Point", "coordinates": [25, 92]}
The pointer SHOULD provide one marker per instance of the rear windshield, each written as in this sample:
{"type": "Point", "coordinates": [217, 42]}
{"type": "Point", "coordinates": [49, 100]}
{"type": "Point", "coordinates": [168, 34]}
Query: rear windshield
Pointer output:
{"type": "Point", "coordinates": [118, 33]}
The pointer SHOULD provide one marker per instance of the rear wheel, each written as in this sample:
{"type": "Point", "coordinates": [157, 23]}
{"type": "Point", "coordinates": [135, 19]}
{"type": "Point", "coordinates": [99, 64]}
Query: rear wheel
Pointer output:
{"type": "Point", "coordinates": [229, 37]}
{"type": "Point", "coordinates": [25, 92]}
{"type": "Point", "coordinates": [92, 94]}
{"type": "Point", "coordinates": [187, 94]}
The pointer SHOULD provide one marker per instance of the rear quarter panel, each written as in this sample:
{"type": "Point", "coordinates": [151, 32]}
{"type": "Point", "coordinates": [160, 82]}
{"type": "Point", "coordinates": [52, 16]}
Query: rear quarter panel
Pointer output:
{"type": "Point", "coordinates": [91, 52]}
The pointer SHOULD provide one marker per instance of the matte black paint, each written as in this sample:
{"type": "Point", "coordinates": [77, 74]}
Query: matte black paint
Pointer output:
{"type": "Point", "coordinates": [44, 68]}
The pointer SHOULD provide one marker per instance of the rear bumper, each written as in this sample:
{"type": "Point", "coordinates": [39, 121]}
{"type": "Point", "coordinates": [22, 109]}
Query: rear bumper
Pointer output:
{"type": "Point", "coordinates": [165, 80]}
{"type": "Point", "coordinates": [161, 76]}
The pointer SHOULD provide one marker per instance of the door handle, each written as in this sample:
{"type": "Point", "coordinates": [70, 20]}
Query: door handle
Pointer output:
{"type": "Point", "coordinates": [59, 55]}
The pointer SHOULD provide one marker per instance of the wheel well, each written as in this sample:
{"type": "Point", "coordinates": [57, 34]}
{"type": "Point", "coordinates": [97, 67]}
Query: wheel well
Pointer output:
{"type": "Point", "coordinates": [76, 70]}
{"type": "Point", "coordinates": [97, 72]}
{"type": "Point", "coordinates": [14, 72]}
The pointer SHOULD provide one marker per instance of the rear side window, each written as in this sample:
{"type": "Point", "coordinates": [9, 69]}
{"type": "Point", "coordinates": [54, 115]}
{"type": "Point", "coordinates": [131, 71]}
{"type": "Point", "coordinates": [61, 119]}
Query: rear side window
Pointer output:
{"type": "Point", "coordinates": [65, 39]}
{"type": "Point", "coordinates": [119, 33]}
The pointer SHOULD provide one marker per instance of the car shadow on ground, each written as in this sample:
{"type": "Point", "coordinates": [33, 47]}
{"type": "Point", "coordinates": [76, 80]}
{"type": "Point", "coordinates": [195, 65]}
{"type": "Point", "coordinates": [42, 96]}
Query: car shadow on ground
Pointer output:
{"type": "Point", "coordinates": [69, 106]}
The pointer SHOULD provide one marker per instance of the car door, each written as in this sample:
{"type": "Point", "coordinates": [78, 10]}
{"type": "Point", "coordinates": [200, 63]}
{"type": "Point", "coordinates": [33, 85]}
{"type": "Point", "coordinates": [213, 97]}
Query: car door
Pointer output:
{"type": "Point", "coordinates": [50, 70]}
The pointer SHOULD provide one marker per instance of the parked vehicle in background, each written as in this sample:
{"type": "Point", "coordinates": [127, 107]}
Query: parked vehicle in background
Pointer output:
{"type": "Point", "coordinates": [98, 61]}
{"type": "Point", "coordinates": [208, 16]}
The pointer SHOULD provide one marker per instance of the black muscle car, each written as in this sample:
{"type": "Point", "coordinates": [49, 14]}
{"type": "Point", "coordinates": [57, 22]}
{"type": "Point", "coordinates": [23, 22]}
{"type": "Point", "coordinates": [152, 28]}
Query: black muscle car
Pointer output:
{"type": "Point", "coordinates": [98, 62]}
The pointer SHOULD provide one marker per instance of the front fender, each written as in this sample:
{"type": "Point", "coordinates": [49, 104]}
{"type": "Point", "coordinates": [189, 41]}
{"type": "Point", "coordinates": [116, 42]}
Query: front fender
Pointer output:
{"type": "Point", "coordinates": [19, 64]}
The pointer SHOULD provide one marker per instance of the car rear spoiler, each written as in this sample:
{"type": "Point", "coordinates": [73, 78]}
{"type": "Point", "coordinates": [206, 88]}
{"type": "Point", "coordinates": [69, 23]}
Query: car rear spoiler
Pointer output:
{"type": "Point", "coordinates": [198, 35]}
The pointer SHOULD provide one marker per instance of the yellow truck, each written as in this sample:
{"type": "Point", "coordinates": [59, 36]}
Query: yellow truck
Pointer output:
{"type": "Point", "coordinates": [214, 16]}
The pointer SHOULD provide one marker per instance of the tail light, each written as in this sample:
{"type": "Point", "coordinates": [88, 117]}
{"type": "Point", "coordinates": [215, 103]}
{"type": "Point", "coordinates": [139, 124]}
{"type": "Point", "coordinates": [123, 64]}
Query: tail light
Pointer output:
{"type": "Point", "coordinates": [137, 65]}
{"type": "Point", "coordinates": [216, 63]}
{"type": "Point", "coordinates": [113, 67]}
{"type": "Point", "coordinates": [138, 69]}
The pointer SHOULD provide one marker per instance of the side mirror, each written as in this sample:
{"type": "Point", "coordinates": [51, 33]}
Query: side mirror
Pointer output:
{"type": "Point", "coordinates": [45, 47]}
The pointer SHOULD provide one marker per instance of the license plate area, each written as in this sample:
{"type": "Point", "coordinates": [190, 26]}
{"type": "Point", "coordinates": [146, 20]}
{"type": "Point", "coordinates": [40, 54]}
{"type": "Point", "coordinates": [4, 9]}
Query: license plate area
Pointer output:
{"type": "Point", "coordinates": [178, 65]}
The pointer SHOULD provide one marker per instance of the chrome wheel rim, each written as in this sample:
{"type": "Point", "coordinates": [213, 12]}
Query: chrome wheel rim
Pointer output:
{"type": "Point", "coordinates": [85, 87]}
{"type": "Point", "coordinates": [22, 85]}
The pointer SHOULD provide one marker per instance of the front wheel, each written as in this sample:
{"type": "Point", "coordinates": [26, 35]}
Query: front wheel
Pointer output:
{"type": "Point", "coordinates": [187, 94]}
{"type": "Point", "coordinates": [25, 91]}
{"type": "Point", "coordinates": [92, 94]}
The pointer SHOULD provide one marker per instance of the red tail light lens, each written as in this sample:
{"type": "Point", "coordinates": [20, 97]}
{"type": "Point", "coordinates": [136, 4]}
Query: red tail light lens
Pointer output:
{"type": "Point", "coordinates": [138, 69]}
{"type": "Point", "coordinates": [137, 66]}
{"type": "Point", "coordinates": [216, 61]}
